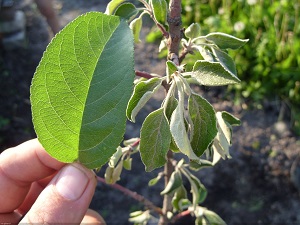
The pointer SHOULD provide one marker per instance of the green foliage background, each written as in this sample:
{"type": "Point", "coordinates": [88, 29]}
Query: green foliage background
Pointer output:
{"type": "Point", "coordinates": [269, 64]}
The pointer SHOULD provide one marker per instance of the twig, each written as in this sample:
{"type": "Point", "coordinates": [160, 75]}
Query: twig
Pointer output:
{"type": "Point", "coordinates": [143, 74]}
{"type": "Point", "coordinates": [133, 195]}
{"type": "Point", "coordinates": [180, 215]}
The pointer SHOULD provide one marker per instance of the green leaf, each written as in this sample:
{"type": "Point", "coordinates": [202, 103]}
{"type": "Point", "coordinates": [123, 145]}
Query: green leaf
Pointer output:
{"type": "Point", "coordinates": [171, 68]}
{"type": "Point", "coordinates": [127, 163]}
{"type": "Point", "coordinates": [213, 218]}
{"type": "Point", "coordinates": [225, 41]}
{"type": "Point", "coordinates": [154, 180]}
{"type": "Point", "coordinates": [213, 74]}
{"type": "Point", "coordinates": [136, 26]}
{"type": "Point", "coordinates": [179, 195]}
{"type": "Point", "coordinates": [155, 140]}
{"type": "Point", "coordinates": [200, 164]}
{"type": "Point", "coordinates": [230, 119]}
{"type": "Point", "coordinates": [174, 183]}
{"type": "Point", "coordinates": [192, 31]}
{"type": "Point", "coordinates": [81, 87]}
{"type": "Point", "coordinates": [112, 6]}
{"type": "Point", "coordinates": [203, 117]}
{"type": "Point", "coordinates": [160, 10]}
{"type": "Point", "coordinates": [200, 193]}
{"type": "Point", "coordinates": [143, 91]}
{"type": "Point", "coordinates": [225, 60]}
{"type": "Point", "coordinates": [126, 10]}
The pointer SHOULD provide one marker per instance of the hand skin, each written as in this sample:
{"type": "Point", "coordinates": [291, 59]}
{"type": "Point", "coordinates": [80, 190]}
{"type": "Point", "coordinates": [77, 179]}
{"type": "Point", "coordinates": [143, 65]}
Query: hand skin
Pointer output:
{"type": "Point", "coordinates": [44, 190]}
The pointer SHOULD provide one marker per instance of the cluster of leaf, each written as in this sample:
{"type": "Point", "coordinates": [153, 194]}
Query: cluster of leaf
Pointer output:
{"type": "Point", "coordinates": [186, 122]}
{"type": "Point", "coordinates": [271, 60]}
{"type": "Point", "coordinates": [81, 94]}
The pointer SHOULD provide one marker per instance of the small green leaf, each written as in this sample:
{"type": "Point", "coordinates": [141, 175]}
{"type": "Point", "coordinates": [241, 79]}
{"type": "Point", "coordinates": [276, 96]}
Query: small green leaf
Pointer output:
{"type": "Point", "coordinates": [174, 183]}
{"type": "Point", "coordinates": [81, 87]}
{"type": "Point", "coordinates": [205, 53]}
{"type": "Point", "coordinates": [192, 31]}
{"type": "Point", "coordinates": [225, 60]}
{"type": "Point", "coordinates": [230, 119]}
{"type": "Point", "coordinates": [213, 218]}
{"type": "Point", "coordinates": [155, 140]}
{"type": "Point", "coordinates": [136, 26]}
{"type": "Point", "coordinates": [160, 10]}
{"type": "Point", "coordinates": [143, 91]}
{"type": "Point", "coordinates": [154, 181]}
{"type": "Point", "coordinates": [112, 6]}
{"type": "Point", "coordinates": [127, 163]}
{"type": "Point", "coordinates": [200, 164]}
{"type": "Point", "coordinates": [126, 10]}
{"type": "Point", "coordinates": [171, 68]}
{"type": "Point", "coordinates": [179, 195]}
{"type": "Point", "coordinates": [225, 41]}
{"type": "Point", "coordinates": [213, 74]}
{"type": "Point", "coordinates": [201, 190]}
{"type": "Point", "coordinates": [139, 217]}
{"type": "Point", "coordinates": [203, 117]}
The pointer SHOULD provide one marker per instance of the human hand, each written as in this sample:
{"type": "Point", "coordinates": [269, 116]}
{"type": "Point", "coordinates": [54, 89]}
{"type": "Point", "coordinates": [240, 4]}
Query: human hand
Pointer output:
{"type": "Point", "coordinates": [42, 189]}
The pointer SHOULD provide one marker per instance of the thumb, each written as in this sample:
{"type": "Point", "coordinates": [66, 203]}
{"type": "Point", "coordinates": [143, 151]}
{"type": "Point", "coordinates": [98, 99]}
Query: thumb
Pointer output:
{"type": "Point", "coordinates": [66, 198]}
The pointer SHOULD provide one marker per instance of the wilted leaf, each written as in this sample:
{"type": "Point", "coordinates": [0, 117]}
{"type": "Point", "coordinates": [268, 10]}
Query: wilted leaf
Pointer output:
{"type": "Point", "coordinates": [155, 140]}
{"type": "Point", "coordinates": [213, 74]}
{"type": "Point", "coordinates": [81, 87]}
{"type": "Point", "coordinates": [143, 91]}
{"type": "Point", "coordinates": [225, 41]}
{"type": "Point", "coordinates": [178, 130]}
{"type": "Point", "coordinates": [203, 117]}
{"type": "Point", "coordinates": [174, 183]}
{"type": "Point", "coordinates": [136, 26]}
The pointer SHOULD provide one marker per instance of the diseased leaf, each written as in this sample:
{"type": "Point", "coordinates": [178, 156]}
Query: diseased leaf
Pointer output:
{"type": "Point", "coordinates": [225, 41]}
{"type": "Point", "coordinates": [174, 183]}
{"type": "Point", "coordinates": [155, 140]}
{"type": "Point", "coordinates": [213, 74]}
{"type": "Point", "coordinates": [177, 126]}
{"type": "Point", "coordinates": [112, 6]}
{"type": "Point", "coordinates": [143, 91]}
{"type": "Point", "coordinates": [81, 87]}
{"type": "Point", "coordinates": [126, 10]}
{"type": "Point", "coordinates": [203, 117]}
{"type": "Point", "coordinates": [160, 10]}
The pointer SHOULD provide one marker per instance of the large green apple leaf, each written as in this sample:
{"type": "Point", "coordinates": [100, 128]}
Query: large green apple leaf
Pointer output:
{"type": "Point", "coordinates": [81, 87]}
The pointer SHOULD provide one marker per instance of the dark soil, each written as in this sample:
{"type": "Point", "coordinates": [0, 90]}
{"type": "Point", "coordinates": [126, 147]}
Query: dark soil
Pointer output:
{"type": "Point", "coordinates": [254, 187]}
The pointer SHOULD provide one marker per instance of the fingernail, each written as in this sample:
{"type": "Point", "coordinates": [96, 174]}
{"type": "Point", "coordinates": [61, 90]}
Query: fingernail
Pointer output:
{"type": "Point", "coordinates": [71, 182]}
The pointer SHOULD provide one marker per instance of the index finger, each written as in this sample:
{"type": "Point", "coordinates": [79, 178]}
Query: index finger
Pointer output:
{"type": "Point", "coordinates": [19, 167]}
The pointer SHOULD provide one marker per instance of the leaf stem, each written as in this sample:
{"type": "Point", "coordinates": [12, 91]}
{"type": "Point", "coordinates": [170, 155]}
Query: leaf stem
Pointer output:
{"type": "Point", "coordinates": [133, 195]}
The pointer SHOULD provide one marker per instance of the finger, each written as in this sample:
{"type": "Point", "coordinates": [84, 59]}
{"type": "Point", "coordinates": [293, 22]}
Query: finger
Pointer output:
{"type": "Point", "coordinates": [92, 217]}
{"type": "Point", "coordinates": [65, 199]}
{"type": "Point", "coordinates": [19, 167]}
